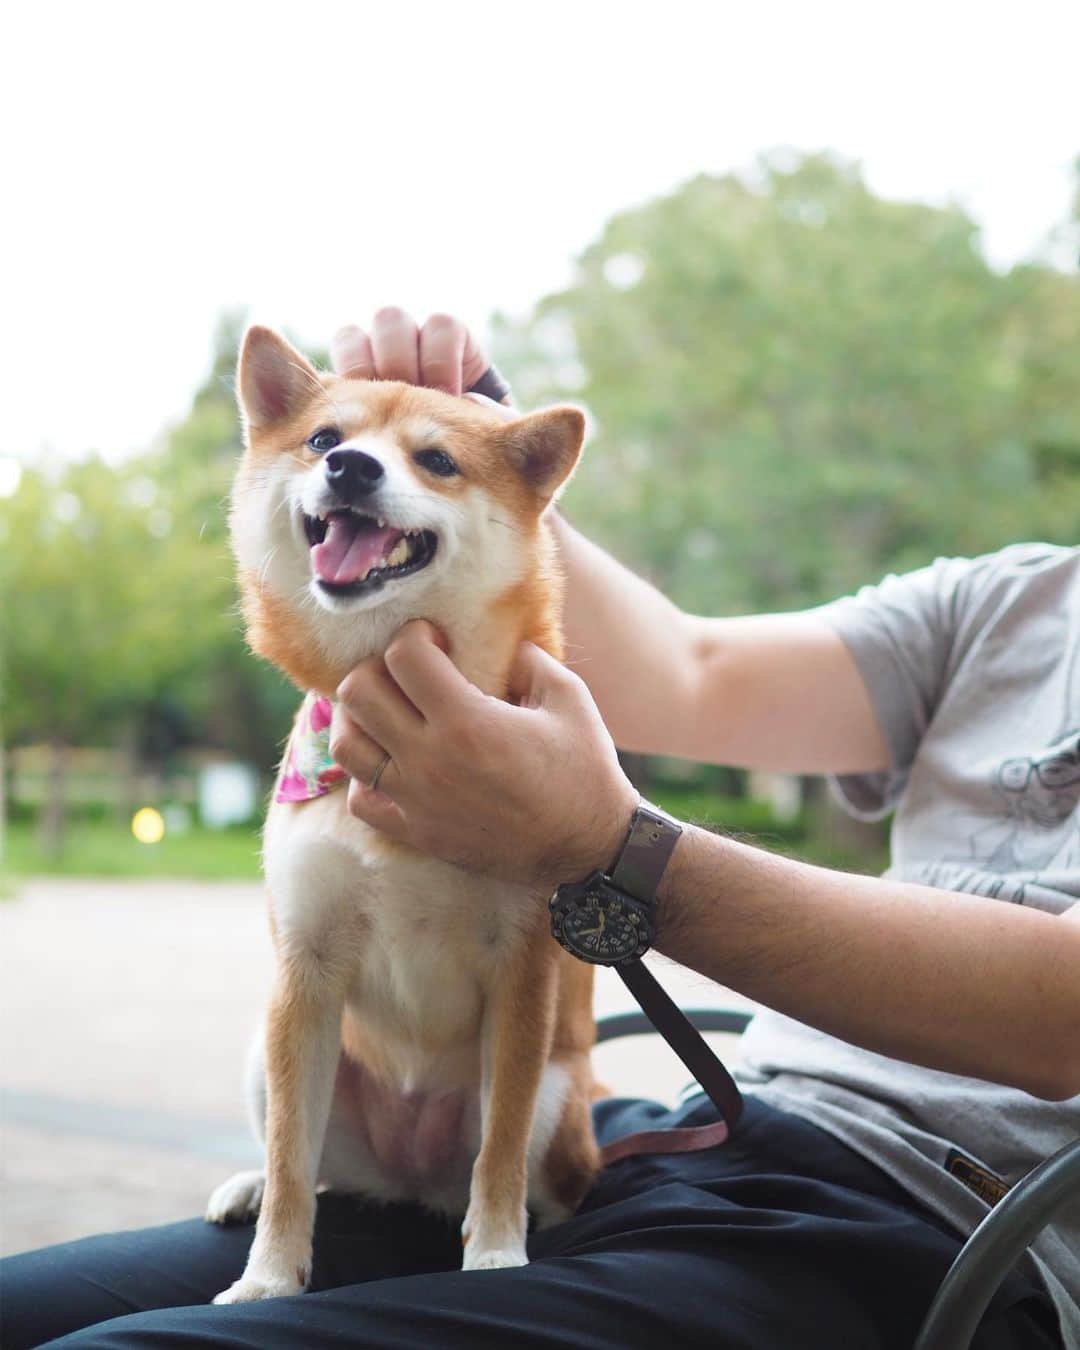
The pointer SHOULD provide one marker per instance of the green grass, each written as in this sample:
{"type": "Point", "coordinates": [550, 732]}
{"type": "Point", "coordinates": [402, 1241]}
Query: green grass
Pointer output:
{"type": "Point", "coordinates": [104, 849]}
{"type": "Point", "coordinates": [108, 849]}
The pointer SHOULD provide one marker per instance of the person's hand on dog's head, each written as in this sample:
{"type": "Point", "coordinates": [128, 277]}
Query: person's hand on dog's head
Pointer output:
{"type": "Point", "coordinates": [441, 354]}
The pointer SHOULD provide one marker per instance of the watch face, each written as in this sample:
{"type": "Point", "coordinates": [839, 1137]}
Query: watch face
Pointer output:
{"type": "Point", "coordinates": [601, 924]}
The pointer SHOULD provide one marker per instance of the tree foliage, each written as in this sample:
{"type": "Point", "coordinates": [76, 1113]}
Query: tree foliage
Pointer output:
{"type": "Point", "coordinates": [798, 385]}
{"type": "Point", "coordinates": [118, 595]}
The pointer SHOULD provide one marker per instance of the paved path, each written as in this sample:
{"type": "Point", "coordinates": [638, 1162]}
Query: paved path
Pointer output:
{"type": "Point", "coordinates": [125, 1010]}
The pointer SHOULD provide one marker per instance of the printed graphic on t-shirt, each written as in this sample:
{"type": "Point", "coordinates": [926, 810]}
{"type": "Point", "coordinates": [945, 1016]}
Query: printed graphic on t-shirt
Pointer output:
{"type": "Point", "coordinates": [1031, 840]}
{"type": "Point", "coordinates": [1040, 830]}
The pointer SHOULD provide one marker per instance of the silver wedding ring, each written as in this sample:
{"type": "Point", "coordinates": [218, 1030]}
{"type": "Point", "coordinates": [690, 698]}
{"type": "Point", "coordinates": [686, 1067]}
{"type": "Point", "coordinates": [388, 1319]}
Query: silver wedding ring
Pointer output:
{"type": "Point", "coordinates": [379, 772]}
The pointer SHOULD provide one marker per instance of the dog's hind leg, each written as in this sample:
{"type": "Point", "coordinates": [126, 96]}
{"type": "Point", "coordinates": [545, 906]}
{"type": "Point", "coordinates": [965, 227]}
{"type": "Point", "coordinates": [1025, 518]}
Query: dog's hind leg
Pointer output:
{"type": "Point", "coordinates": [237, 1200]}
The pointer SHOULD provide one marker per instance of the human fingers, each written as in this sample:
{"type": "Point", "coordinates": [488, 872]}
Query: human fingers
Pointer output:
{"type": "Point", "coordinates": [371, 700]}
{"type": "Point", "coordinates": [395, 342]}
{"type": "Point", "coordinates": [450, 357]}
{"type": "Point", "coordinates": [474, 361]}
{"type": "Point", "coordinates": [442, 353]}
{"type": "Point", "coordinates": [362, 758]}
{"type": "Point", "coordinates": [537, 680]}
{"type": "Point", "coordinates": [418, 662]}
{"type": "Point", "coordinates": [378, 809]}
{"type": "Point", "coordinates": [351, 355]}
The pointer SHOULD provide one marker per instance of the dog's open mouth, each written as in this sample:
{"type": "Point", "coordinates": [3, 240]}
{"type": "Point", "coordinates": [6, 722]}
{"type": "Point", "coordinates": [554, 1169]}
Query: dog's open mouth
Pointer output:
{"type": "Point", "coordinates": [352, 553]}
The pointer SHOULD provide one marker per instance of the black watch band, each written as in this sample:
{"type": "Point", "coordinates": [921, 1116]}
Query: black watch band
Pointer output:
{"type": "Point", "coordinates": [492, 385]}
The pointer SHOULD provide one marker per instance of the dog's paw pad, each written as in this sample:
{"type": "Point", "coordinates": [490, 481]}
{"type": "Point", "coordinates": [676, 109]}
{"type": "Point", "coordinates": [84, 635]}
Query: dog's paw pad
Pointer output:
{"type": "Point", "coordinates": [493, 1258]}
{"type": "Point", "coordinates": [238, 1199]}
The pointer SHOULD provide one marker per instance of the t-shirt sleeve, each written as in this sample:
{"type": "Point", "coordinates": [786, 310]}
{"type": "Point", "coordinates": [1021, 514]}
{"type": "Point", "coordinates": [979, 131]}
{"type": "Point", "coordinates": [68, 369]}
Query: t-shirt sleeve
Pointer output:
{"type": "Point", "coordinates": [901, 634]}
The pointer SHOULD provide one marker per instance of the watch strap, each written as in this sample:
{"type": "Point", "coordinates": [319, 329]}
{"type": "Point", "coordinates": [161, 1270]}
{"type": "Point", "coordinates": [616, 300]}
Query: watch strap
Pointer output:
{"type": "Point", "coordinates": [492, 385]}
{"type": "Point", "coordinates": [647, 851]}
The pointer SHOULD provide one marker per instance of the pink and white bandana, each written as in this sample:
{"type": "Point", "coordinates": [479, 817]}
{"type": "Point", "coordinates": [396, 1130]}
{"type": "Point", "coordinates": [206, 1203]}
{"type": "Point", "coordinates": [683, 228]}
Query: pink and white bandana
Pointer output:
{"type": "Point", "coordinates": [308, 771]}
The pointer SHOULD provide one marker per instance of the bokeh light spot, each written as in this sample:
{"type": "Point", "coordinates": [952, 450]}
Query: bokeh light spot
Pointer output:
{"type": "Point", "coordinates": [148, 825]}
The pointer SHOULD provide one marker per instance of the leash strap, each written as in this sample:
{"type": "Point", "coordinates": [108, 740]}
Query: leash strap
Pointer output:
{"type": "Point", "coordinates": [688, 1044]}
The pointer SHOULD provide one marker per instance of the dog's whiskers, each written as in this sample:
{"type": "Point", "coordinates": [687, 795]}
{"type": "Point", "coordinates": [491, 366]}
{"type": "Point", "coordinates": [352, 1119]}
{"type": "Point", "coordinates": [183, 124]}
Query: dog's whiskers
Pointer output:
{"type": "Point", "coordinates": [505, 524]}
{"type": "Point", "coordinates": [266, 564]}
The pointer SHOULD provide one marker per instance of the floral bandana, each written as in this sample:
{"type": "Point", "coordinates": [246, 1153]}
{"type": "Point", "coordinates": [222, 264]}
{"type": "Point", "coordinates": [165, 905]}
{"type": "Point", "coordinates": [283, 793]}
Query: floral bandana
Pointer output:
{"type": "Point", "coordinates": [307, 770]}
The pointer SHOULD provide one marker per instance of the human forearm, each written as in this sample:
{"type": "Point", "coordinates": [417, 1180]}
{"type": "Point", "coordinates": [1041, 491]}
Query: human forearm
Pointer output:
{"type": "Point", "coordinates": [950, 981]}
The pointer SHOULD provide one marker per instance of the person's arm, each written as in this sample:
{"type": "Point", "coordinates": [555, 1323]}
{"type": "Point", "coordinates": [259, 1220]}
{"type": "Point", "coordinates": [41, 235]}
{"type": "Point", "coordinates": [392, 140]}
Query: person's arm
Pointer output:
{"type": "Point", "coordinates": [534, 793]}
{"type": "Point", "coordinates": [775, 691]}
{"type": "Point", "coordinates": [950, 981]}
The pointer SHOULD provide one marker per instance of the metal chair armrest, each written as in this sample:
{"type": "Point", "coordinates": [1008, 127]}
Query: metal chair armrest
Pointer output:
{"type": "Point", "coordinates": [614, 1025]}
{"type": "Point", "coordinates": [994, 1248]}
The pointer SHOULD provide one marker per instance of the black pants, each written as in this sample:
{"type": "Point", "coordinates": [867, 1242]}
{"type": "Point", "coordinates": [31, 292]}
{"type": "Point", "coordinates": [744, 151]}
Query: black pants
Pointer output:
{"type": "Point", "coordinates": [783, 1239]}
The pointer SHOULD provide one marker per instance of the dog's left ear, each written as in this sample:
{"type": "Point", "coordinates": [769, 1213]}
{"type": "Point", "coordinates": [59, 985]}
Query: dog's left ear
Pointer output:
{"type": "Point", "coordinates": [544, 447]}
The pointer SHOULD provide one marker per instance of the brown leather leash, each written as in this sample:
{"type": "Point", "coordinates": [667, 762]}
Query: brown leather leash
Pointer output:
{"type": "Point", "coordinates": [687, 1042]}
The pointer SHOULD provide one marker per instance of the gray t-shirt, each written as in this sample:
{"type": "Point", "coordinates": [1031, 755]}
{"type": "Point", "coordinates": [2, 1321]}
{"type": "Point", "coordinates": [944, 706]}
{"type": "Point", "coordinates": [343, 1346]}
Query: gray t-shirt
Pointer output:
{"type": "Point", "coordinates": [973, 668]}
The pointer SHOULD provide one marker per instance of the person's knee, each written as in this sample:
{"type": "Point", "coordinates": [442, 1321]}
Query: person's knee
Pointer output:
{"type": "Point", "coordinates": [195, 1328]}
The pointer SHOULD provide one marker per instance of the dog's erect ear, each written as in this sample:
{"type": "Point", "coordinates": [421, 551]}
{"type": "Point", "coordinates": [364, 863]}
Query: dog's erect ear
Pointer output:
{"type": "Point", "coordinates": [544, 447]}
{"type": "Point", "coordinates": [273, 380]}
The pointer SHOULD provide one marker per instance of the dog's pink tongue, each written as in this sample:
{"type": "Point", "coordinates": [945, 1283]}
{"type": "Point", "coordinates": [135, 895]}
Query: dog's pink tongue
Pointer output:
{"type": "Point", "coordinates": [349, 552]}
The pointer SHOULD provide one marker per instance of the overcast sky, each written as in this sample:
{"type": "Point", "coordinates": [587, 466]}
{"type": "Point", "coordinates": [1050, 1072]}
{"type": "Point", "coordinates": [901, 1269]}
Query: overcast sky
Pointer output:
{"type": "Point", "coordinates": [314, 160]}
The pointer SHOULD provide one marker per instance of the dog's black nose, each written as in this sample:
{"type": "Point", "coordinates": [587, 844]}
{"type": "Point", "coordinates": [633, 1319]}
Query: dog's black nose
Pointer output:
{"type": "Point", "coordinates": [352, 473]}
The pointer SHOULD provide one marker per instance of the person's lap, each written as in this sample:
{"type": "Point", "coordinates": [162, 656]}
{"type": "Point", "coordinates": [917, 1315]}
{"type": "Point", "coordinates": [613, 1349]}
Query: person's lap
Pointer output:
{"type": "Point", "coordinates": [781, 1238]}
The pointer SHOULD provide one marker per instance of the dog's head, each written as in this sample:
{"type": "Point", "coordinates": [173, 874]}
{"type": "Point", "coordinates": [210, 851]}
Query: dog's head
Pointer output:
{"type": "Point", "coordinates": [361, 504]}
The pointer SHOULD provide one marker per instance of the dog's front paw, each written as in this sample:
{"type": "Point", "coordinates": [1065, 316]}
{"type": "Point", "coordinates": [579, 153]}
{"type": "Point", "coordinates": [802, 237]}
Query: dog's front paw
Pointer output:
{"type": "Point", "coordinates": [251, 1288]}
{"type": "Point", "coordinates": [493, 1240]}
{"type": "Point", "coordinates": [493, 1258]}
{"type": "Point", "coordinates": [238, 1199]}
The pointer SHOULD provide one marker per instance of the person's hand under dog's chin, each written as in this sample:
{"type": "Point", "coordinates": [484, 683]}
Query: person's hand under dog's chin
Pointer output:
{"type": "Point", "coordinates": [531, 791]}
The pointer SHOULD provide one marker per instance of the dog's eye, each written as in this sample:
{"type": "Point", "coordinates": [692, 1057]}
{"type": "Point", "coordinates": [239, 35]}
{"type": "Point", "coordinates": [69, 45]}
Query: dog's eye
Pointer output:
{"type": "Point", "coordinates": [437, 462]}
{"type": "Point", "coordinates": [324, 439]}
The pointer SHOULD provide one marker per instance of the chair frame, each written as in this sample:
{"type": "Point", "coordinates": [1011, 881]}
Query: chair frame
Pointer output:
{"type": "Point", "coordinates": [993, 1248]}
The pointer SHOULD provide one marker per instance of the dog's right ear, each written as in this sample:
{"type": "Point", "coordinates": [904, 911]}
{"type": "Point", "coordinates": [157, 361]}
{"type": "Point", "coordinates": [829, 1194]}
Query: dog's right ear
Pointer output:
{"type": "Point", "coordinates": [273, 380]}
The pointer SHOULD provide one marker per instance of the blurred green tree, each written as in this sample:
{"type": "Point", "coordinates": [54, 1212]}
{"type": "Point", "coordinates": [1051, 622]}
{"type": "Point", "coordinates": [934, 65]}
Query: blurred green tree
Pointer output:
{"type": "Point", "coordinates": [798, 385]}
{"type": "Point", "coordinates": [119, 622]}
{"type": "Point", "coordinates": [100, 610]}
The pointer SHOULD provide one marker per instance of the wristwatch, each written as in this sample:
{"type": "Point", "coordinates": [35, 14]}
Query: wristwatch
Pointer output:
{"type": "Point", "coordinates": [609, 917]}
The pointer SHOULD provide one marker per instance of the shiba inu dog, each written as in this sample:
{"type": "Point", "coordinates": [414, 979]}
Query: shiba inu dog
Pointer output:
{"type": "Point", "coordinates": [426, 1037]}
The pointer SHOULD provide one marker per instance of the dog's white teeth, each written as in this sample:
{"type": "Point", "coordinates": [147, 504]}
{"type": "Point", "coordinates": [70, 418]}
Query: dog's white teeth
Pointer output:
{"type": "Point", "coordinates": [399, 553]}
{"type": "Point", "coordinates": [380, 522]}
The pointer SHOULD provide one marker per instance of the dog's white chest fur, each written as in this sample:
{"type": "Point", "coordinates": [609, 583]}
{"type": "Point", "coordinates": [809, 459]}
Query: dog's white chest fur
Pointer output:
{"type": "Point", "coordinates": [420, 941]}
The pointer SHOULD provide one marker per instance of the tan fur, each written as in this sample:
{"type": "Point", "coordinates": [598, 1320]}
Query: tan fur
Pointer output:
{"type": "Point", "coordinates": [515, 1001]}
